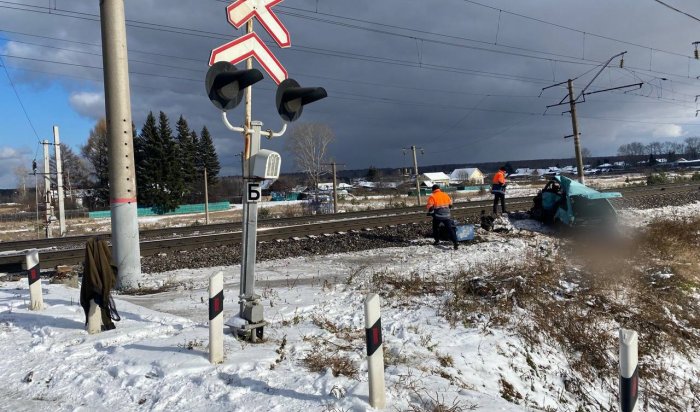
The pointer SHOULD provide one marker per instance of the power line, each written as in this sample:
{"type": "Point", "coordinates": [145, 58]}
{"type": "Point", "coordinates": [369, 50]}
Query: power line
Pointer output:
{"type": "Point", "coordinates": [359, 97]}
{"type": "Point", "coordinates": [285, 7]}
{"type": "Point", "coordinates": [303, 74]}
{"type": "Point", "coordinates": [306, 49]}
{"type": "Point", "coordinates": [561, 26]}
{"type": "Point", "coordinates": [677, 10]}
{"type": "Point", "coordinates": [19, 99]}
{"type": "Point", "coordinates": [405, 63]}
{"type": "Point", "coordinates": [446, 68]}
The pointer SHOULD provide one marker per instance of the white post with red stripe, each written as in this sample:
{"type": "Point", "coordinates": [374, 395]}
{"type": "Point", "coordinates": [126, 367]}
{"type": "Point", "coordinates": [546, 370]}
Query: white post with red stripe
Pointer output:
{"type": "Point", "coordinates": [375, 352]}
{"type": "Point", "coordinates": [94, 318]}
{"type": "Point", "coordinates": [36, 300]}
{"type": "Point", "coordinates": [216, 318]}
{"type": "Point", "coordinates": [629, 371]}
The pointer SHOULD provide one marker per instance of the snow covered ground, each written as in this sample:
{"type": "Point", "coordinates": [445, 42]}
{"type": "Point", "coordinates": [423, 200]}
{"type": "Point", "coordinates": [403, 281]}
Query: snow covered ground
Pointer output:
{"type": "Point", "coordinates": [156, 359]}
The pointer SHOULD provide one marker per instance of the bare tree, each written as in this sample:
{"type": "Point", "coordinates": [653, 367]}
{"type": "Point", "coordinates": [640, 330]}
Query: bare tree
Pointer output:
{"type": "Point", "coordinates": [692, 147]}
{"type": "Point", "coordinates": [96, 152]}
{"type": "Point", "coordinates": [654, 149]}
{"type": "Point", "coordinates": [585, 153]}
{"type": "Point", "coordinates": [22, 173]}
{"type": "Point", "coordinates": [309, 145]}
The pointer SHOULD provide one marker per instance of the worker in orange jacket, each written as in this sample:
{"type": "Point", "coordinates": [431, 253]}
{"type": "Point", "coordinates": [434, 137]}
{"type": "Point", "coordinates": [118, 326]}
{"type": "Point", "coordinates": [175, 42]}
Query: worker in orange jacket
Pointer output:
{"type": "Point", "coordinates": [439, 205]}
{"type": "Point", "coordinates": [498, 188]}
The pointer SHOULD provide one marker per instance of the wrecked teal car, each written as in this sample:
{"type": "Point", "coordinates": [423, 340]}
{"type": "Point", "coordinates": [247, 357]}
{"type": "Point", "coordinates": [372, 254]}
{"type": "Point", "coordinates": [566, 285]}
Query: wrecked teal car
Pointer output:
{"type": "Point", "coordinates": [568, 202]}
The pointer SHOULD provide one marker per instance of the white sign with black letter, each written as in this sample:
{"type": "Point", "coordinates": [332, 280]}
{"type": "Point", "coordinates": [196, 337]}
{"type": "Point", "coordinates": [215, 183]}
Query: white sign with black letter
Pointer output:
{"type": "Point", "coordinates": [253, 192]}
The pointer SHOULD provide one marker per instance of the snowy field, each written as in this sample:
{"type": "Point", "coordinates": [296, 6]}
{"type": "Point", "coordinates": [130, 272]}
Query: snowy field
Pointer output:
{"type": "Point", "coordinates": [156, 359]}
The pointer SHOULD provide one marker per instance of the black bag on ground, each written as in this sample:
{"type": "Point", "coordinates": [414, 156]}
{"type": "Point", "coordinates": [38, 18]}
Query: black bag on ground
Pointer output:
{"type": "Point", "coordinates": [444, 234]}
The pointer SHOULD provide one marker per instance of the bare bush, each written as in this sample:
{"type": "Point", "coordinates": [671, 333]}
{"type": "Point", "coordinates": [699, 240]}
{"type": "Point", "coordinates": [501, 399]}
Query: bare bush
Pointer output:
{"type": "Point", "coordinates": [339, 364]}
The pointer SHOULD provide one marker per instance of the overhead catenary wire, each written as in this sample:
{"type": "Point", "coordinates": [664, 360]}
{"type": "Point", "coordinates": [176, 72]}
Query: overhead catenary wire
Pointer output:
{"type": "Point", "coordinates": [304, 74]}
{"type": "Point", "coordinates": [209, 34]}
{"type": "Point", "coordinates": [359, 97]}
{"type": "Point", "coordinates": [151, 74]}
{"type": "Point", "coordinates": [678, 10]}
{"type": "Point", "coordinates": [19, 99]}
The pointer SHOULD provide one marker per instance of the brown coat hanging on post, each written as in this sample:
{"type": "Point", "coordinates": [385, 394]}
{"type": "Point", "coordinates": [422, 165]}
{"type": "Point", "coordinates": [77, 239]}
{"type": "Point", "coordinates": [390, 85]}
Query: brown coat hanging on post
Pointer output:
{"type": "Point", "coordinates": [99, 278]}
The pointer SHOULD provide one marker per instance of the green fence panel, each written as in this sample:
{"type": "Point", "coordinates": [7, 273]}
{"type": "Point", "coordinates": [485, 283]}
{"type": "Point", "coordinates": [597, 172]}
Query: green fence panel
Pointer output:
{"type": "Point", "coordinates": [181, 210]}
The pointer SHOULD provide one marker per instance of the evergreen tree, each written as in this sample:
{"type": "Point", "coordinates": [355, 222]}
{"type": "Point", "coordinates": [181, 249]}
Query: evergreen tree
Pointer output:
{"type": "Point", "coordinates": [188, 152]}
{"type": "Point", "coordinates": [172, 187]}
{"type": "Point", "coordinates": [198, 178]}
{"type": "Point", "coordinates": [158, 166]}
{"type": "Point", "coordinates": [207, 157]}
{"type": "Point", "coordinates": [147, 171]}
{"type": "Point", "coordinates": [373, 174]}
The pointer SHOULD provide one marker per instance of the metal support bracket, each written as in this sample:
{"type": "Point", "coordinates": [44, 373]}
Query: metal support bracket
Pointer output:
{"type": "Point", "coordinates": [267, 133]}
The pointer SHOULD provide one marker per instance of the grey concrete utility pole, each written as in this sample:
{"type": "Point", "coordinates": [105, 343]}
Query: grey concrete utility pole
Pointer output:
{"type": "Point", "coordinates": [47, 188]}
{"type": "Point", "coordinates": [335, 189]}
{"type": "Point", "coordinates": [59, 182]}
{"type": "Point", "coordinates": [334, 167]}
{"type": "Point", "coordinates": [415, 170]}
{"type": "Point", "coordinates": [574, 125]}
{"type": "Point", "coordinates": [122, 176]}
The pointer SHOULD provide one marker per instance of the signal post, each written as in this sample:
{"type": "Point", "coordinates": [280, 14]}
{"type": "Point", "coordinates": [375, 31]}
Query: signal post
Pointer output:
{"type": "Point", "coordinates": [226, 87]}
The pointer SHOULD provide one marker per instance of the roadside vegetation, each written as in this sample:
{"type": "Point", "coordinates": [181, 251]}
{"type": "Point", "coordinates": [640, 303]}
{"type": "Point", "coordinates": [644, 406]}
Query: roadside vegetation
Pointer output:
{"type": "Point", "coordinates": [569, 302]}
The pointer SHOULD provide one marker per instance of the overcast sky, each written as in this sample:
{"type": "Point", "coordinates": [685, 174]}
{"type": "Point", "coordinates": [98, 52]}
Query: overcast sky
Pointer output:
{"type": "Point", "coordinates": [458, 78]}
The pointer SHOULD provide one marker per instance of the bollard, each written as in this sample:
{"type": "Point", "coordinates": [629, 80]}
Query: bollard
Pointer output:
{"type": "Point", "coordinates": [94, 320]}
{"type": "Point", "coordinates": [375, 352]}
{"type": "Point", "coordinates": [629, 372]}
{"type": "Point", "coordinates": [216, 318]}
{"type": "Point", "coordinates": [36, 301]}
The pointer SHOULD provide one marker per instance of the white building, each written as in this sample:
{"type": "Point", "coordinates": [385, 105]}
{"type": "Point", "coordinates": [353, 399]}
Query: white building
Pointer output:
{"type": "Point", "coordinates": [470, 175]}
{"type": "Point", "coordinates": [438, 178]}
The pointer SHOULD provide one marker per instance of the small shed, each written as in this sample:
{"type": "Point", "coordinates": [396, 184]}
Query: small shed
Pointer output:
{"type": "Point", "coordinates": [437, 178]}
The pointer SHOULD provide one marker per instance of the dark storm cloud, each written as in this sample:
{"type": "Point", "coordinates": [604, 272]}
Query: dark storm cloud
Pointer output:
{"type": "Point", "coordinates": [377, 107]}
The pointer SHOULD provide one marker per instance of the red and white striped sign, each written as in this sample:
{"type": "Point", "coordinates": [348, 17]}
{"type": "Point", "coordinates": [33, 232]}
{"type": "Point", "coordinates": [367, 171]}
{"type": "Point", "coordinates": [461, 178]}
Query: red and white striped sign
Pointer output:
{"type": "Point", "coordinates": [243, 10]}
{"type": "Point", "coordinates": [251, 45]}
{"type": "Point", "coordinates": [245, 47]}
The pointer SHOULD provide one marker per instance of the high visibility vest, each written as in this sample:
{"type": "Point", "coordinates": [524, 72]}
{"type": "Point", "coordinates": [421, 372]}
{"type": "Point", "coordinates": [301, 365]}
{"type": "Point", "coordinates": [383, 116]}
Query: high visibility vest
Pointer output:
{"type": "Point", "coordinates": [499, 178]}
{"type": "Point", "coordinates": [439, 199]}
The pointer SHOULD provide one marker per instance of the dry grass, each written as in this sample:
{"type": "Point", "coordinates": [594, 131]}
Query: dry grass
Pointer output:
{"type": "Point", "coordinates": [395, 286]}
{"type": "Point", "coordinates": [579, 300]}
{"type": "Point", "coordinates": [339, 364]}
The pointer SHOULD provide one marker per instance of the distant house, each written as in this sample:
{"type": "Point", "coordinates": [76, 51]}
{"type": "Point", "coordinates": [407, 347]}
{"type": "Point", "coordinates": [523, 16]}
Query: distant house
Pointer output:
{"type": "Point", "coordinates": [470, 175]}
{"type": "Point", "coordinates": [437, 178]}
{"type": "Point", "coordinates": [523, 173]}
{"type": "Point", "coordinates": [550, 171]}
{"type": "Point", "coordinates": [568, 169]}
{"type": "Point", "coordinates": [365, 185]}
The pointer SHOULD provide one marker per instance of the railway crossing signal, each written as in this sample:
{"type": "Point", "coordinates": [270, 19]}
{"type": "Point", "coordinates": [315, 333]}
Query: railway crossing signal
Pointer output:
{"type": "Point", "coordinates": [225, 84]}
{"type": "Point", "coordinates": [225, 87]}
{"type": "Point", "coordinates": [291, 98]}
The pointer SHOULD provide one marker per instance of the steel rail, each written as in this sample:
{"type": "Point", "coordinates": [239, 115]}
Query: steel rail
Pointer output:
{"type": "Point", "coordinates": [292, 221]}
{"type": "Point", "coordinates": [311, 227]}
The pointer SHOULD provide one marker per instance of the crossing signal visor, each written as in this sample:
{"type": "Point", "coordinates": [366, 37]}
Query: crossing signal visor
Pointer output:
{"type": "Point", "coordinates": [225, 84]}
{"type": "Point", "coordinates": [291, 98]}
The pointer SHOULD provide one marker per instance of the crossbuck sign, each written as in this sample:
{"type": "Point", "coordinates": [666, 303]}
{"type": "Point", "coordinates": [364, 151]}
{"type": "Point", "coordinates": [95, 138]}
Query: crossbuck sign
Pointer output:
{"type": "Point", "coordinates": [251, 45]}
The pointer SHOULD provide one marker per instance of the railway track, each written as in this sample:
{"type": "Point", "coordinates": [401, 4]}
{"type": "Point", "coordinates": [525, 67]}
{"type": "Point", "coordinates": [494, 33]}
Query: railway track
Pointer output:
{"type": "Point", "coordinates": [71, 250]}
